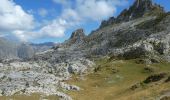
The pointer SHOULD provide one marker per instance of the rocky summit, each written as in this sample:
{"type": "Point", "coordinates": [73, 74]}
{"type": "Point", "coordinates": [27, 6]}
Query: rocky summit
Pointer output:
{"type": "Point", "coordinates": [140, 8]}
{"type": "Point", "coordinates": [77, 38]}
{"type": "Point", "coordinates": [141, 32]}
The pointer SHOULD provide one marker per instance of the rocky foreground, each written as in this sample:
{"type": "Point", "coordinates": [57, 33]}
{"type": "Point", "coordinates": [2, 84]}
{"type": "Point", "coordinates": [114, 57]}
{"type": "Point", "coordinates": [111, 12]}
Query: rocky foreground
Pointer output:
{"type": "Point", "coordinates": [30, 77]}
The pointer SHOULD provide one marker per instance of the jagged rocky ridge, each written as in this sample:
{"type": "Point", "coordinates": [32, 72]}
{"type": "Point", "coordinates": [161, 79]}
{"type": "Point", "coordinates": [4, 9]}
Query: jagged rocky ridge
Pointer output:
{"type": "Point", "coordinates": [140, 8]}
{"type": "Point", "coordinates": [142, 31]}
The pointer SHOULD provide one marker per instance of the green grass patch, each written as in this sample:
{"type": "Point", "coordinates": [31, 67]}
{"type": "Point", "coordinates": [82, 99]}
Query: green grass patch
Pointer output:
{"type": "Point", "coordinates": [104, 84]}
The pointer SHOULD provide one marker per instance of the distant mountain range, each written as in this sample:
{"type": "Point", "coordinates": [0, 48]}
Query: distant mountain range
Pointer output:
{"type": "Point", "coordinates": [15, 50]}
{"type": "Point", "coordinates": [42, 46]}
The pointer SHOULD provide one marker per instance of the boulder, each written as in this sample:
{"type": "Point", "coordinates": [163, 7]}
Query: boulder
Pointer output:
{"type": "Point", "coordinates": [69, 87]}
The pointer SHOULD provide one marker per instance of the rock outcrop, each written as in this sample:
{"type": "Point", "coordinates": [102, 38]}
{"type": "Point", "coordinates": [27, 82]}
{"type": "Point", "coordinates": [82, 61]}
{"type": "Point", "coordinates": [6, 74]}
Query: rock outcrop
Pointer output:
{"type": "Point", "coordinates": [77, 39]}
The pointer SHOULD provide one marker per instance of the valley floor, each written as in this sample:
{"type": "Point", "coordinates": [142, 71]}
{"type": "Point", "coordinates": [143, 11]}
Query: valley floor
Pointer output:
{"type": "Point", "coordinates": [113, 81]}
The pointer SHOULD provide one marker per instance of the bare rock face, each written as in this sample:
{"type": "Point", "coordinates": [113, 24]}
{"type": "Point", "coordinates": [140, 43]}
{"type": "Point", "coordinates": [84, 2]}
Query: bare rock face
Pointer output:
{"type": "Point", "coordinates": [77, 38]}
{"type": "Point", "coordinates": [78, 34]}
{"type": "Point", "coordinates": [139, 9]}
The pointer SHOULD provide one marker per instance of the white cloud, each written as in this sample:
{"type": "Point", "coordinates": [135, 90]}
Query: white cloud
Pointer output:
{"type": "Point", "coordinates": [63, 2]}
{"type": "Point", "coordinates": [42, 12]}
{"type": "Point", "coordinates": [13, 17]}
{"type": "Point", "coordinates": [79, 12]}
{"type": "Point", "coordinates": [56, 28]}
{"type": "Point", "coordinates": [21, 35]}
{"type": "Point", "coordinates": [20, 23]}
{"type": "Point", "coordinates": [94, 9]}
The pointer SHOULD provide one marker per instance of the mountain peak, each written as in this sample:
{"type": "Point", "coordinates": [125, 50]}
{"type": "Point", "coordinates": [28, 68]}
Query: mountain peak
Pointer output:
{"type": "Point", "coordinates": [79, 33]}
{"type": "Point", "coordinates": [146, 3]}
{"type": "Point", "coordinates": [77, 37]}
{"type": "Point", "coordinates": [139, 9]}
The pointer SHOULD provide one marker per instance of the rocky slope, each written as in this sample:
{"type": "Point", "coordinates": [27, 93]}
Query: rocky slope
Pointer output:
{"type": "Point", "coordinates": [141, 31]}
{"type": "Point", "coordinates": [41, 75]}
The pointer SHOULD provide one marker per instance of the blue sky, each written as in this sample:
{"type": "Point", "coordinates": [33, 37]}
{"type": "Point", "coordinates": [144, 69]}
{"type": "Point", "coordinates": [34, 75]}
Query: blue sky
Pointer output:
{"type": "Point", "coordinates": [54, 20]}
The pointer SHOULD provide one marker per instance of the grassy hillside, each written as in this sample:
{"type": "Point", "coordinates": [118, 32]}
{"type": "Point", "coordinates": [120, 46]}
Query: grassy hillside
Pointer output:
{"type": "Point", "coordinates": [113, 80]}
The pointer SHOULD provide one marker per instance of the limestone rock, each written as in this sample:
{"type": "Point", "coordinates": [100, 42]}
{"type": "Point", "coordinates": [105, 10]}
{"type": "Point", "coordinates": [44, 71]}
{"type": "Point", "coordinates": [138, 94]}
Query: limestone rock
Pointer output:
{"type": "Point", "coordinates": [77, 38]}
{"type": "Point", "coordinates": [69, 87]}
